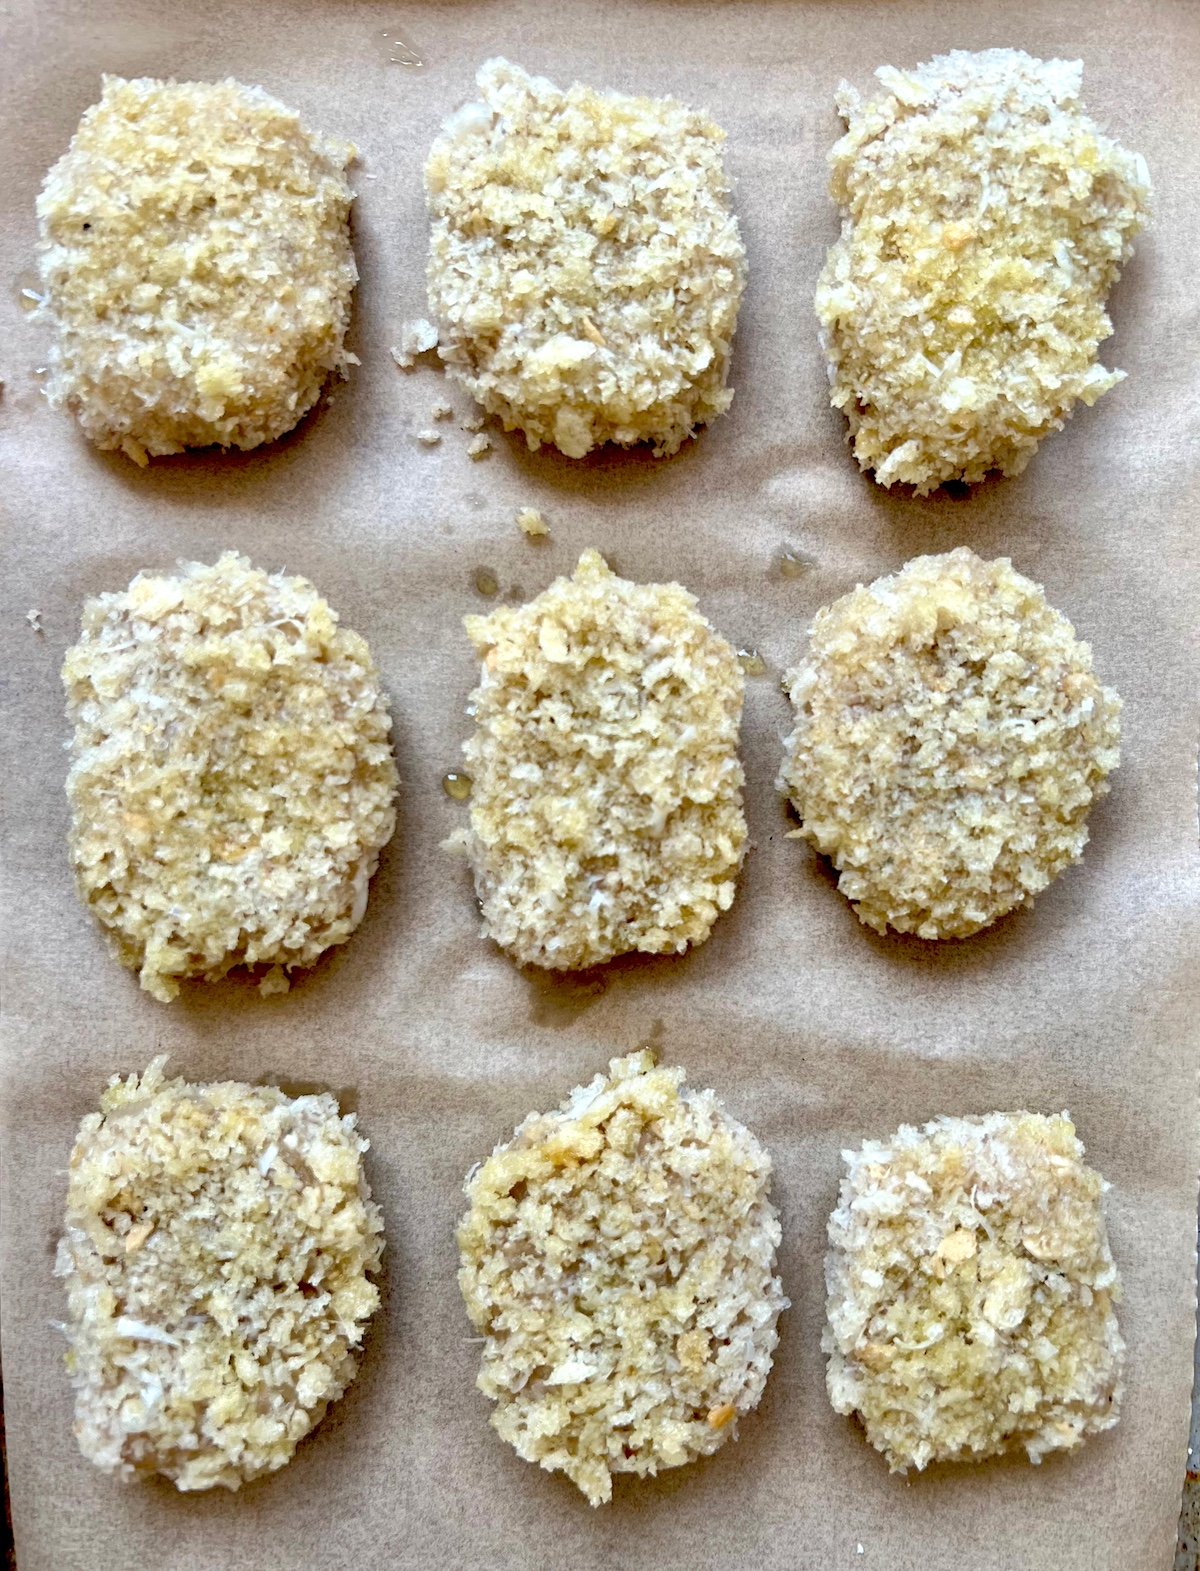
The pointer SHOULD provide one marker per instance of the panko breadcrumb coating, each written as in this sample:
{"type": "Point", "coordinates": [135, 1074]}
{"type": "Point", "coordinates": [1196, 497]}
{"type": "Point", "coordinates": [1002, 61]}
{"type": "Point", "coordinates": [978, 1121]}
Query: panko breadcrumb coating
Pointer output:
{"type": "Point", "coordinates": [232, 781]}
{"type": "Point", "coordinates": [619, 1258]}
{"type": "Point", "coordinates": [217, 1251]}
{"type": "Point", "coordinates": [606, 807]}
{"type": "Point", "coordinates": [950, 739]}
{"type": "Point", "coordinates": [195, 252]}
{"type": "Point", "coordinates": [971, 1292]}
{"type": "Point", "coordinates": [585, 266]}
{"type": "Point", "coordinates": [985, 217]}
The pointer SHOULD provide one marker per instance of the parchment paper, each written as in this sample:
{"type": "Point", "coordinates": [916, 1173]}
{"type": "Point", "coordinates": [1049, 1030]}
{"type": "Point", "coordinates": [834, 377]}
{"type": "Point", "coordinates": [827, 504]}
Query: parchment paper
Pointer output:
{"type": "Point", "coordinates": [815, 1032]}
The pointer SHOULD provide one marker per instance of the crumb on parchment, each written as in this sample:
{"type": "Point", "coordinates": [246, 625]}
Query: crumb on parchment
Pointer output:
{"type": "Point", "coordinates": [417, 337]}
{"type": "Point", "coordinates": [531, 523]}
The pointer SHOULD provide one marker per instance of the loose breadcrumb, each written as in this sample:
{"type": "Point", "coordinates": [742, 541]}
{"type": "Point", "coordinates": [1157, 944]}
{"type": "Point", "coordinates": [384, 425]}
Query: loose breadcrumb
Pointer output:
{"type": "Point", "coordinates": [585, 265]}
{"type": "Point", "coordinates": [429, 437]}
{"type": "Point", "coordinates": [619, 1257]}
{"type": "Point", "coordinates": [532, 524]}
{"type": "Point", "coordinates": [441, 410]}
{"type": "Point", "coordinates": [416, 338]}
{"type": "Point", "coordinates": [950, 740]}
{"type": "Point", "coordinates": [985, 218]}
{"type": "Point", "coordinates": [971, 1292]}
{"type": "Point", "coordinates": [34, 618]}
{"type": "Point", "coordinates": [217, 1251]}
{"type": "Point", "coordinates": [479, 446]}
{"type": "Point", "coordinates": [606, 804]}
{"type": "Point", "coordinates": [195, 252]}
{"type": "Point", "coordinates": [231, 781]}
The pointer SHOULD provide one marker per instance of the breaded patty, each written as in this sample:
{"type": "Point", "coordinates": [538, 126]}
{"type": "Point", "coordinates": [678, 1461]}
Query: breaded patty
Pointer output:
{"type": "Point", "coordinates": [951, 737]}
{"type": "Point", "coordinates": [619, 1258]}
{"type": "Point", "coordinates": [232, 781]}
{"type": "Point", "coordinates": [585, 266]}
{"type": "Point", "coordinates": [606, 809]}
{"type": "Point", "coordinates": [217, 1253]}
{"type": "Point", "coordinates": [195, 252]}
{"type": "Point", "coordinates": [985, 217]}
{"type": "Point", "coordinates": [971, 1292]}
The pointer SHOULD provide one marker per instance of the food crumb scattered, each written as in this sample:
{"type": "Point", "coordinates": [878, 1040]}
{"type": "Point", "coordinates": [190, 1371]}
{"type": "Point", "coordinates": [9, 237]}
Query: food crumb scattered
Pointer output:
{"type": "Point", "coordinates": [532, 524]}
{"type": "Point", "coordinates": [473, 421]}
{"type": "Point", "coordinates": [479, 446]}
{"type": "Point", "coordinates": [416, 338]}
{"type": "Point", "coordinates": [34, 618]}
{"type": "Point", "coordinates": [429, 437]}
{"type": "Point", "coordinates": [441, 410]}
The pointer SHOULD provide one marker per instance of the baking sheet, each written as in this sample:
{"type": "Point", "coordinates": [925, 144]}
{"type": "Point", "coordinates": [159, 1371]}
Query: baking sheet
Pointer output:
{"type": "Point", "coordinates": [815, 1032]}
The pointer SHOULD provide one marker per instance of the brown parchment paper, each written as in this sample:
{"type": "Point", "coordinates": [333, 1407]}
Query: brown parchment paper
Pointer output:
{"type": "Point", "coordinates": [815, 1032]}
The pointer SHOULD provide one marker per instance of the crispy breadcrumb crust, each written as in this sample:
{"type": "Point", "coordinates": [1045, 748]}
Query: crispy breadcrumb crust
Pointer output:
{"type": "Point", "coordinates": [195, 252]}
{"type": "Point", "coordinates": [950, 740]}
{"type": "Point", "coordinates": [217, 1250]}
{"type": "Point", "coordinates": [971, 1291]}
{"type": "Point", "coordinates": [606, 806]}
{"type": "Point", "coordinates": [619, 1258]}
{"type": "Point", "coordinates": [585, 265]}
{"type": "Point", "coordinates": [232, 781]}
{"type": "Point", "coordinates": [985, 217]}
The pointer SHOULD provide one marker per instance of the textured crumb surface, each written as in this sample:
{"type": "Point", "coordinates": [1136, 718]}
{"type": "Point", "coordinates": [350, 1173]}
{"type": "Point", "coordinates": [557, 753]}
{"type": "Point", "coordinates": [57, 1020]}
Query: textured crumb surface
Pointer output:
{"type": "Point", "coordinates": [231, 780]}
{"type": "Point", "coordinates": [950, 739]}
{"type": "Point", "coordinates": [606, 809]}
{"type": "Point", "coordinates": [619, 1258]}
{"type": "Point", "coordinates": [984, 219]}
{"type": "Point", "coordinates": [585, 265]}
{"type": "Point", "coordinates": [971, 1292]}
{"type": "Point", "coordinates": [531, 523]}
{"type": "Point", "coordinates": [217, 1252]}
{"type": "Point", "coordinates": [195, 252]}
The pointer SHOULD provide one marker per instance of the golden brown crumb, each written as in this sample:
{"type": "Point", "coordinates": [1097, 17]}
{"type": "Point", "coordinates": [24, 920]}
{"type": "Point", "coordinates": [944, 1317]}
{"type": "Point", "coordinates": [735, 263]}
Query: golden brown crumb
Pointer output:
{"type": "Point", "coordinates": [619, 1258]}
{"type": "Point", "coordinates": [585, 266]}
{"type": "Point", "coordinates": [195, 251]}
{"type": "Point", "coordinates": [971, 1292]}
{"type": "Point", "coordinates": [950, 740]}
{"type": "Point", "coordinates": [606, 805]}
{"type": "Point", "coordinates": [217, 1251]}
{"type": "Point", "coordinates": [231, 781]}
{"type": "Point", "coordinates": [985, 218]}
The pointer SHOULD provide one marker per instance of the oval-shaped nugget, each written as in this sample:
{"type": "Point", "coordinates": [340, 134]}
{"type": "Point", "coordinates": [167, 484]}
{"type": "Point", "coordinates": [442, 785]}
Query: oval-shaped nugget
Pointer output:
{"type": "Point", "coordinates": [232, 781]}
{"type": "Point", "coordinates": [606, 806]}
{"type": "Point", "coordinates": [619, 1258]}
{"type": "Point", "coordinates": [985, 217]}
{"type": "Point", "coordinates": [585, 266]}
{"type": "Point", "coordinates": [195, 253]}
{"type": "Point", "coordinates": [971, 1292]}
{"type": "Point", "coordinates": [217, 1254]}
{"type": "Point", "coordinates": [950, 740]}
